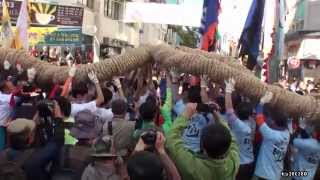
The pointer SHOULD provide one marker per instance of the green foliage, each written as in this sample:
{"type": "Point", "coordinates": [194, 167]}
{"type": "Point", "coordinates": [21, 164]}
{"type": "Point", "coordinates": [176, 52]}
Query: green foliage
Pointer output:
{"type": "Point", "coordinates": [188, 36]}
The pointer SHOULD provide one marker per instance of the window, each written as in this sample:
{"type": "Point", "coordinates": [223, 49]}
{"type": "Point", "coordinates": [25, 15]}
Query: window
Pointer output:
{"type": "Point", "coordinates": [90, 4]}
{"type": "Point", "coordinates": [87, 3]}
{"type": "Point", "coordinates": [113, 9]}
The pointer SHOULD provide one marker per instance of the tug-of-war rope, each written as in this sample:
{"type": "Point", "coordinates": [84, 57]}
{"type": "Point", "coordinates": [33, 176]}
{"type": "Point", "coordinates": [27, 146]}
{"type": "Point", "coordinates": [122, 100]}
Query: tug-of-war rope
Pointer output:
{"type": "Point", "coordinates": [192, 61]}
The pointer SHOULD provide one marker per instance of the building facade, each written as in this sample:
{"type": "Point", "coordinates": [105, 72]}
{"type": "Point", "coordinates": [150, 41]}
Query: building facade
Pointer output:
{"type": "Point", "coordinates": [302, 20]}
{"type": "Point", "coordinates": [108, 34]}
{"type": "Point", "coordinates": [303, 29]}
{"type": "Point", "coordinates": [103, 21]}
{"type": "Point", "coordinates": [88, 27]}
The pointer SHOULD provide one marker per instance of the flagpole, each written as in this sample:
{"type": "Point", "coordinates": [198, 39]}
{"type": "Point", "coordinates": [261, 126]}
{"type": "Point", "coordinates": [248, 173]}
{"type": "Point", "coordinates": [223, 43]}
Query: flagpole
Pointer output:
{"type": "Point", "coordinates": [21, 35]}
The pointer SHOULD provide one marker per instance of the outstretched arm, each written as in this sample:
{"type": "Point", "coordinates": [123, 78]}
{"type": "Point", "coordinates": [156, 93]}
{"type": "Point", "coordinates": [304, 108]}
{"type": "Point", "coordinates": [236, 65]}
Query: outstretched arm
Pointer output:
{"type": "Point", "coordinates": [170, 167]}
{"type": "Point", "coordinates": [228, 97]}
{"type": "Point", "coordinates": [260, 119]}
{"type": "Point", "coordinates": [117, 83]}
{"type": "Point", "coordinates": [100, 98]}
{"type": "Point", "coordinates": [167, 108]}
{"type": "Point", "coordinates": [203, 92]}
{"type": "Point", "coordinates": [67, 85]}
{"type": "Point", "coordinates": [231, 117]}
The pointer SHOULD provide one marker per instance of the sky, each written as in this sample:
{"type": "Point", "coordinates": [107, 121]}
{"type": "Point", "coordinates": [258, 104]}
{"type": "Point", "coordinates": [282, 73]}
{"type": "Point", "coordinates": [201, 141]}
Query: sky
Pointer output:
{"type": "Point", "coordinates": [232, 17]}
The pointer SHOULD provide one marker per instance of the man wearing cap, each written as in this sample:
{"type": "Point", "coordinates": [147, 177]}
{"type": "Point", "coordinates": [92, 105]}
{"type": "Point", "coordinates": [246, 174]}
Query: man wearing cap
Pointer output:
{"type": "Point", "coordinates": [106, 164]}
{"type": "Point", "coordinates": [21, 136]}
{"type": "Point", "coordinates": [74, 159]}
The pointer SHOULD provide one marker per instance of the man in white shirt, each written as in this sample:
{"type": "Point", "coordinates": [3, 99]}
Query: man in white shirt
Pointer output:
{"type": "Point", "coordinates": [307, 157]}
{"type": "Point", "coordinates": [80, 91]}
{"type": "Point", "coordinates": [6, 89]}
{"type": "Point", "coordinates": [275, 141]}
{"type": "Point", "coordinates": [243, 128]}
{"type": "Point", "coordinates": [105, 112]}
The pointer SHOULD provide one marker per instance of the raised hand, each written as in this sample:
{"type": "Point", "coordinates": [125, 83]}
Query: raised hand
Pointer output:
{"type": "Point", "coordinates": [117, 82]}
{"type": "Point", "coordinates": [72, 71]}
{"type": "Point", "coordinates": [93, 77]}
{"type": "Point", "coordinates": [266, 98]}
{"type": "Point", "coordinates": [204, 81]}
{"type": "Point", "coordinates": [31, 73]}
{"type": "Point", "coordinates": [160, 141]}
{"type": "Point", "coordinates": [19, 68]}
{"type": "Point", "coordinates": [6, 65]}
{"type": "Point", "coordinates": [230, 85]}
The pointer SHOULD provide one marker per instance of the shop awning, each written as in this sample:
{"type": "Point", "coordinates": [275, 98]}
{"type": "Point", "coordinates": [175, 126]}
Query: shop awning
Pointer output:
{"type": "Point", "coordinates": [309, 50]}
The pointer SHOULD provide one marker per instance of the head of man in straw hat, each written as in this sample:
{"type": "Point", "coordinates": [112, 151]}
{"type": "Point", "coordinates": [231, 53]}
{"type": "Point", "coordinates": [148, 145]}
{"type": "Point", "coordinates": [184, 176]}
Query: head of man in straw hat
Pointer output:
{"type": "Point", "coordinates": [105, 164]}
{"type": "Point", "coordinates": [21, 133]}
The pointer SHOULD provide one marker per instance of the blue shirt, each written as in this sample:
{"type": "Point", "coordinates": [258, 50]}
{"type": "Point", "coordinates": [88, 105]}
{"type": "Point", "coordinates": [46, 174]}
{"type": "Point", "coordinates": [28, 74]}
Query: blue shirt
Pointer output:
{"type": "Point", "coordinates": [307, 157]}
{"type": "Point", "coordinates": [191, 135]}
{"type": "Point", "coordinates": [272, 152]}
{"type": "Point", "coordinates": [244, 133]}
{"type": "Point", "coordinates": [179, 107]}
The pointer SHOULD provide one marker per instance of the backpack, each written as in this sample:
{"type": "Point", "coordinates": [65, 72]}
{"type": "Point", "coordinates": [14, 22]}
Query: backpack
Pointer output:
{"type": "Point", "coordinates": [88, 116]}
{"type": "Point", "coordinates": [72, 162]}
{"type": "Point", "coordinates": [13, 170]}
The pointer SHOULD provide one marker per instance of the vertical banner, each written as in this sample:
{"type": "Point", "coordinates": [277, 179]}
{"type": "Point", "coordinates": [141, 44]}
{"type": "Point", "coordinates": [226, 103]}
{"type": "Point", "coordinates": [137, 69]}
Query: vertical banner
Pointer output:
{"type": "Point", "coordinates": [6, 29]}
{"type": "Point", "coordinates": [21, 36]}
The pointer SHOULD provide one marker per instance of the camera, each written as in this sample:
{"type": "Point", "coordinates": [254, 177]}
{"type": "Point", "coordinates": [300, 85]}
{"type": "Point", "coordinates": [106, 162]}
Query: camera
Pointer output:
{"type": "Point", "coordinates": [207, 108]}
{"type": "Point", "coordinates": [149, 137]}
{"type": "Point", "coordinates": [45, 108]}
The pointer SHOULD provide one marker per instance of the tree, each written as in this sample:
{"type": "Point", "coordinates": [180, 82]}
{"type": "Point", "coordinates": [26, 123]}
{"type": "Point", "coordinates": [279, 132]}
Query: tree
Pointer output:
{"type": "Point", "coordinates": [189, 36]}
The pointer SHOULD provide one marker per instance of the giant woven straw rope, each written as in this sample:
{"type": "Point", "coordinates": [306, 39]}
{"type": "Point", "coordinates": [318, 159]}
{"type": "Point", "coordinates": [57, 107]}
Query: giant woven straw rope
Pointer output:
{"type": "Point", "coordinates": [186, 60]}
{"type": "Point", "coordinates": [48, 73]}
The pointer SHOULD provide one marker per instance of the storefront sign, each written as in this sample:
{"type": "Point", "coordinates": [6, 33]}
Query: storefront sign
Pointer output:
{"type": "Point", "coordinates": [37, 34]}
{"type": "Point", "coordinates": [293, 63]}
{"type": "Point", "coordinates": [64, 36]}
{"type": "Point", "coordinates": [47, 14]}
{"type": "Point", "coordinates": [54, 36]}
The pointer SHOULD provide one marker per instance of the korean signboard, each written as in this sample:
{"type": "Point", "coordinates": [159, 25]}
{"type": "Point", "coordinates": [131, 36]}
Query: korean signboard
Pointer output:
{"type": "Point", "coordinates": [54, 36]}
{"type": "Point", "coordinates": [64, 36]}
{"type": "Point", "coordinates": [47, 14]}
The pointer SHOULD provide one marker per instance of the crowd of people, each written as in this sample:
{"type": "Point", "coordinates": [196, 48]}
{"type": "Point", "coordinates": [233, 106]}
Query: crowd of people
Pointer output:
{"type": "Point", "coordinates": [62, 57]}
{"type": "Point", "coordinates": [149, 124]}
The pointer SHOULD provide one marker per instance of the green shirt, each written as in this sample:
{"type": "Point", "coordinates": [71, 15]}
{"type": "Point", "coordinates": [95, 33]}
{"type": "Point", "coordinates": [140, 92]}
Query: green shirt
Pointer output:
{"type": "Point", "coordinates": [196, 166]}
{"type": "Point", "coordinates": [166, 112]}
{"type": "Point", "coordinates": [68, 139]}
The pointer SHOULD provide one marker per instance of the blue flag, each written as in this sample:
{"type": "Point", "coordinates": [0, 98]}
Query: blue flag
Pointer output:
{"type": "Point", "coordinates": [251, 35]}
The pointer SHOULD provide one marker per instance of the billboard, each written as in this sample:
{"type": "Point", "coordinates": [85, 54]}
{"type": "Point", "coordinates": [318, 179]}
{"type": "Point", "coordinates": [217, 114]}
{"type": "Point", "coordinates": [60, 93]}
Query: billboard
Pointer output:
{"type": "Point", "coordinates": [54, 36]}
{"type": "Point", "coordinates": [47, 14]}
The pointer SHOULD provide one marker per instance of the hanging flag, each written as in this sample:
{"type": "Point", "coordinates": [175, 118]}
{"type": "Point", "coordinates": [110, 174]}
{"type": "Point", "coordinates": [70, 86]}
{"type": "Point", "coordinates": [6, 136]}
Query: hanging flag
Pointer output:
{"type": "Point", "coordinates": [209, 24]}
{"type": "Point", "coordinates": [250, 38]}
{"type": "Point", "coordinates": [21, 35]}
{"type": "Point", "coordinates": [6, 30]}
